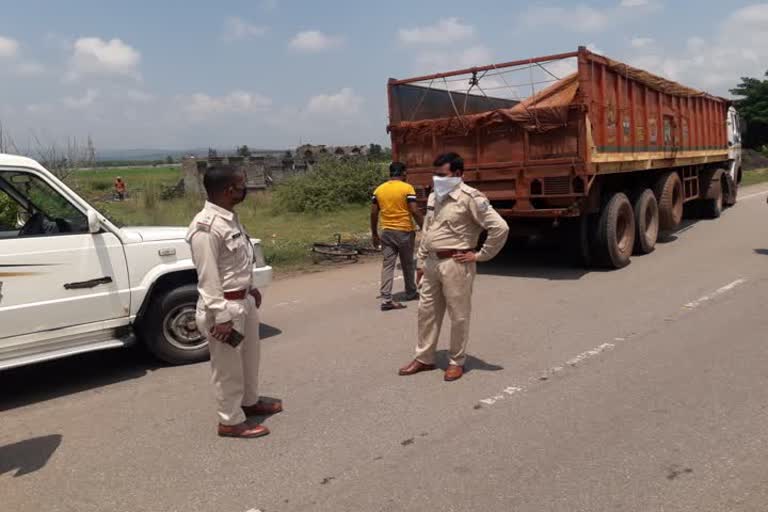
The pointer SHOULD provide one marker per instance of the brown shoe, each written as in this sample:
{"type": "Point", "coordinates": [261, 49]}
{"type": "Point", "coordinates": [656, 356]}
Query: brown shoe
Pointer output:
{"type": "Point", "coordinates": [453, 372]}
{"type": "Point", "coordinates": [415, 367]}
{"type": "Point", "coordinates": [262, 408]}
{"type": "Point", "coordinates": [243, 430]}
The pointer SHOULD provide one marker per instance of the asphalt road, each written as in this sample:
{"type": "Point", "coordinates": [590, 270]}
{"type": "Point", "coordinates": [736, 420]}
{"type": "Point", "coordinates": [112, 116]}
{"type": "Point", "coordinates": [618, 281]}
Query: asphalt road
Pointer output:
{"type": "Point", "coordinates": [644, 389]}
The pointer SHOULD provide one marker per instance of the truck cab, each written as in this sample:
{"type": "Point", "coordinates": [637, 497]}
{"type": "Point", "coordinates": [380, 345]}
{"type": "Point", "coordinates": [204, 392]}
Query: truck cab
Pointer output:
{"type": "Point", "coordinates": [735, 131]}
{"type": "Point", "coordinates": [72, 281]}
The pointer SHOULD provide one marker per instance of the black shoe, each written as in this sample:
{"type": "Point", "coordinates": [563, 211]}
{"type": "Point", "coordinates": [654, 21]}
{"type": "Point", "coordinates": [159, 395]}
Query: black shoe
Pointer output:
{"type": "Point", "coordinates": [389, 306]}
{"type": "Point", "coordinates": [412, 296]}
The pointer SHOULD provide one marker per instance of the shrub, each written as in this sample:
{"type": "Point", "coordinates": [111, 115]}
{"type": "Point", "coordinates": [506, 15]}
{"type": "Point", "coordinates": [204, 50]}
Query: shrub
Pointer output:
{"type": "Point", "coordinates": [331, 185]}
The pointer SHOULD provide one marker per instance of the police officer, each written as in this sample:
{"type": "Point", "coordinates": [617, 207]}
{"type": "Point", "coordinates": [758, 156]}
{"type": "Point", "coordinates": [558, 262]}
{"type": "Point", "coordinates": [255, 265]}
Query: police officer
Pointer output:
{"type": "Point", "coordinates": [456, 216]}
{"type": "Point", "coordinates": [227, 311]}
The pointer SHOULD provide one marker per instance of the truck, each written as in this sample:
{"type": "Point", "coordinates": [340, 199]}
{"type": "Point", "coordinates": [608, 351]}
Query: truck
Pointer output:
{"type": "Point", "coordinates": [607, 156]}
{"type": "Point", "coordinates": [73, 281]}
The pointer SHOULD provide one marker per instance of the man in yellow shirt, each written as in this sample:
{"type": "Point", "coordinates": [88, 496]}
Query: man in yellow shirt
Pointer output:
{"type": "Point", "coordinates": [395, 202]}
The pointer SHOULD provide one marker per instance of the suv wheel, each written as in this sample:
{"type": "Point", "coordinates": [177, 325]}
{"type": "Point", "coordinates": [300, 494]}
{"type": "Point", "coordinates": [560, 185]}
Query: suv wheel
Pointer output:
{"type": "Point", "coordinates": [170, 330]}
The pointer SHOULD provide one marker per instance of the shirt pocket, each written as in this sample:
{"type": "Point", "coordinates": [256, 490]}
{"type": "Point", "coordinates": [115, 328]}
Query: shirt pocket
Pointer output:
{"type": "Point", "coordinates": [235, 243]}
{"type": "Point", "coordinates": [455, 217]}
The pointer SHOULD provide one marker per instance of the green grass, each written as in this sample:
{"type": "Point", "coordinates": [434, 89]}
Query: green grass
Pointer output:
{"type": "Point", "coordinates": [96, 183]}
{"type": "Point", "coordinates": [286, 237]}
{"type": "Point", "coordinates": [754, 177]}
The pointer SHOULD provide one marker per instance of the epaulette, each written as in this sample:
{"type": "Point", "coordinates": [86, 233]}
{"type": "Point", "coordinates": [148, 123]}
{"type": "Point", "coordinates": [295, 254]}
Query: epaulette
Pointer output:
{"type": "Point", "coordinates": [205, 221]}
{"type": "Point", "coordinates": [478, 197]}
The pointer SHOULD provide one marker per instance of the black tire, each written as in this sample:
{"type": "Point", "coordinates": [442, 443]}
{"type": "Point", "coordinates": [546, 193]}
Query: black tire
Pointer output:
{"type": "Point", "coordinates": [669, 194]}
{"type": "Point", "coordinates": [713, 207]}
{"type": "Point", "coordinates": [169, 330]}
{"type": "Point", "coordinates": [646, 222]}
{"type": "Point", "coordinates": [615, 236]}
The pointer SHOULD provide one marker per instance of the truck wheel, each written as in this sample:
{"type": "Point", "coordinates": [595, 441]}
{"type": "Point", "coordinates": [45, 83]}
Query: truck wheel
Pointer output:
{"type": "Point", "coordinates": [669, 194]}
{"type": "Point", "coordinates": [713, 207]}
{"type": "Point", "coordinates": [615, 237]}
{"type": "Point", "coordinates": [170, 331]}
{"type": "Point", "coordinates": [646, 221]}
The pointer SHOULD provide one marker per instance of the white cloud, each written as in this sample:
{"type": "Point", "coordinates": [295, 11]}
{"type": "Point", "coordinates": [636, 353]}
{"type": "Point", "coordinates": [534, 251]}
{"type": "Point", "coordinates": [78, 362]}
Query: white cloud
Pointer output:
{"type": "Point", "coordinates": [237, 29]}
{"type": "Point", "coordinates": [430, 61]}
{"type": "Point", "coordinates": [314, 41]}
{"type": "Point", "coordinates": [445, 31]}
{"type": "Point", "coordinates": [8, 47]}
{"type": "Point", "coordinates": [581, 18]}
{"type": "Point", "coordinates": [343, 103]}
{"type": "Point", "coordinates": [201, 105]}
{"type": "Point", "coordinates": [139, 96]}
{"type": "Point", "coordinates": [93, 55]}
{"type": "Point", "coordinates": [634, 3]}
{"type": "Point", "coordinates": [29, 68]}
{"type": "Point", "coordinates": [84, 101]}
{"type": "Point", "coordinates": [739, 47]}
{"type": "Point", "coordinates": [641, 42]}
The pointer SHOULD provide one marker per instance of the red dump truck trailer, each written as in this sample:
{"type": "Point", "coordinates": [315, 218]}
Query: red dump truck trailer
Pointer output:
{"type": "Point", "coordinates": [606, 154]}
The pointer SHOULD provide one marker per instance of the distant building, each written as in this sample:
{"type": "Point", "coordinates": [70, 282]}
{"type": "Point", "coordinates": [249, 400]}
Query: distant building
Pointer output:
{"type": "Point", "coordinates": [260, 171]}
{"type": "Point", "coordinates": [312, 152]}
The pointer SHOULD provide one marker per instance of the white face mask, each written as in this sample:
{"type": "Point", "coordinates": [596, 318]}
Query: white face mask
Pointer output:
{"type": "Point", "coordinates": [445, 185]}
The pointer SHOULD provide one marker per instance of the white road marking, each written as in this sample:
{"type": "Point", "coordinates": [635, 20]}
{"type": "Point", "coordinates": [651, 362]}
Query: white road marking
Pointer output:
{"type": "Point", "coordinates": [756, 194]}
{"type": "Point", "coordinates": [706, 298]}
{"type": "Point", "coordinates": [589, 354]}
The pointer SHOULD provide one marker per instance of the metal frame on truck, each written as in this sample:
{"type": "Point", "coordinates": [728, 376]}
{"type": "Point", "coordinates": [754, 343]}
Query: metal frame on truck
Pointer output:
{"type": "Point", "coordinates": [577, 130]}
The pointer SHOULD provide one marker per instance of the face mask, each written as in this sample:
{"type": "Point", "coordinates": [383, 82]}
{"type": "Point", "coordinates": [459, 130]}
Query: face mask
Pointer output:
{"type": "Point", "coordinates": [445, 185]}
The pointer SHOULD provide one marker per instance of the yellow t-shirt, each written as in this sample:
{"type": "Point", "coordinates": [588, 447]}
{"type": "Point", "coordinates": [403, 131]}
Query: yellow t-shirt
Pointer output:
{"type": "Point", "coordinates": [393, 198]}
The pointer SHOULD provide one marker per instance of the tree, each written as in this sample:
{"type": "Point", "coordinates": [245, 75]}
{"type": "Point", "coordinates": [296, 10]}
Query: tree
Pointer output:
{"type": "Point", "coordinates": [374, 152]}
{"type": "Point", "coordinates": [244, 151]}
{"type": "Point", "coordinates": [169, 159]}
{"type": "Point", "coordinates": [753, 108]}
{"type": "Point", "coordinates": [90, 153]}
{"type": "Point", "coordinates": [212, 153]}
{"type": "Point", "coordinates": [7, 144]}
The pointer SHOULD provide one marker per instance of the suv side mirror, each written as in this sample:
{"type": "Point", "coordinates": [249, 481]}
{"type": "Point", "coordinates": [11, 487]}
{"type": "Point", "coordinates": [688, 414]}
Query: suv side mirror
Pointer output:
{"type": "Point", "coordinates": [94, 224]}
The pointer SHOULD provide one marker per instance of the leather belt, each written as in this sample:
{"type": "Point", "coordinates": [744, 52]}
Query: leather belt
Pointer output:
{"type": "Point", "coordinates": [450, 253]}
{"type": "Point", "coordinates": [236, 295]}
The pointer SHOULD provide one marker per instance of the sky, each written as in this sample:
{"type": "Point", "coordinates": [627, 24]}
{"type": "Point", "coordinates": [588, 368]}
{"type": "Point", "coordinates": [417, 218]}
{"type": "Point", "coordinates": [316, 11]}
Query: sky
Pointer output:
{"type": "Point", "coordinates": [276, 73]}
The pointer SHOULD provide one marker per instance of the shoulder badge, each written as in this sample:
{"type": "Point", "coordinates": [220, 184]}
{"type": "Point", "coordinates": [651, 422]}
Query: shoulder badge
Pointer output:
{"type": "Point", "coordinates": [483, 204]}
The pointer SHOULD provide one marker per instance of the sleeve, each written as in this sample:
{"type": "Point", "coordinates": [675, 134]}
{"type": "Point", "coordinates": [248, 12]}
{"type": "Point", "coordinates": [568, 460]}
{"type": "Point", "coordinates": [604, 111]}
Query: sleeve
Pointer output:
{"type": "Point", "coordinates": [410, 194]}
{"type": "Point", "coordinates": [374, 199]}
{"type": "Point", "coordinates": [205, 253]}
{"type": "Point", "coordinates": [490, 220]}
{"type": "Point", "coordinates": [422, 252]}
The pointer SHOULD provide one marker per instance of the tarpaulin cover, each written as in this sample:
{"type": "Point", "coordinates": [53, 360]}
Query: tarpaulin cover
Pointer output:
{"type": "Point", "coordinates": [542, 112]}
{"type": "Point", "coordinates": [654, 81]}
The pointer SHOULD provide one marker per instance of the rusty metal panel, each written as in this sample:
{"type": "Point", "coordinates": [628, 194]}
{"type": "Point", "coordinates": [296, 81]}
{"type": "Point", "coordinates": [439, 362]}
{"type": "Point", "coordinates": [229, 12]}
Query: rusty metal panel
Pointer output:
{"type": "Point", "coordinates": [635, 121]}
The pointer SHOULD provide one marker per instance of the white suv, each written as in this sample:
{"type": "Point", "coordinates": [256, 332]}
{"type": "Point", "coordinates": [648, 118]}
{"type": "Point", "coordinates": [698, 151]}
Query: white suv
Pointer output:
{"type": "Point", "coordinates": [71, 281]}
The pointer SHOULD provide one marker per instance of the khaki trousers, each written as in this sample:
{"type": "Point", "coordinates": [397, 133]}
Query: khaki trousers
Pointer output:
{"type": "Point", "coordinates": [235, 371]}
{"type": "Point", "coordinates": [446, 285]}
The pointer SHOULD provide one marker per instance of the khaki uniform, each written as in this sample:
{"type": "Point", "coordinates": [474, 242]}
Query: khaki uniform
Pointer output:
{"type": "Point", "coordinates": [223, 256]}
{"type": "Point", "coordinates": [454, 223]}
